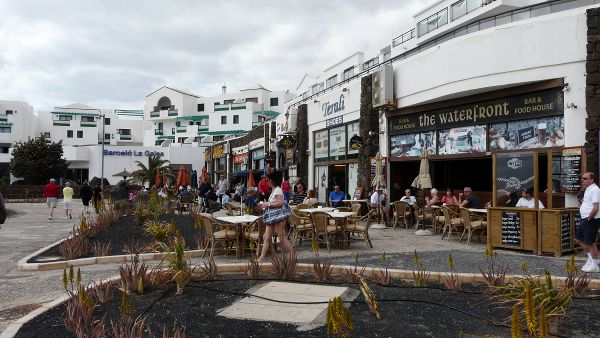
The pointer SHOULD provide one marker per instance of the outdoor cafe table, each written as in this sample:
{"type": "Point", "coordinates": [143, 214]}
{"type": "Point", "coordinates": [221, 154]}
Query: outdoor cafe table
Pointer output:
{"type": "Point", "coordinates": [311, 210]}
{"type": "Point", "coordinates": [238, 221]}
{"type": "Point", "coordinates": [340, 219]}
{"type": "Point", "coordinates": [478, 211]}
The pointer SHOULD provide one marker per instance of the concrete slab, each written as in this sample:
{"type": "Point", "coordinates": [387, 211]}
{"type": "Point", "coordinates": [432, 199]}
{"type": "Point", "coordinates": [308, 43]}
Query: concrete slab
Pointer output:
{"type": "Point", "coordinates": [305, 316]}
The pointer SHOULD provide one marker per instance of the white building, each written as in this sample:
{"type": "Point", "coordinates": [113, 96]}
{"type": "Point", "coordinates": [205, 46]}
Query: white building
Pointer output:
{"type": "Point", "coordinates": [454, 54]}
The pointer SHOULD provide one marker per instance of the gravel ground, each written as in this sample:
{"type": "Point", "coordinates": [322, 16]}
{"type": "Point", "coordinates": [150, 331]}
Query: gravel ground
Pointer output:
{"type": "Point", "coordinates": [29, 229]}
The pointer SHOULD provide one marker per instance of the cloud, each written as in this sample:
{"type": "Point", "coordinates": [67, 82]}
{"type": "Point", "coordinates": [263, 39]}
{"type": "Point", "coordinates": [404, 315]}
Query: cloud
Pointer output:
{"type": "Point", "coordinates": [113, 53]}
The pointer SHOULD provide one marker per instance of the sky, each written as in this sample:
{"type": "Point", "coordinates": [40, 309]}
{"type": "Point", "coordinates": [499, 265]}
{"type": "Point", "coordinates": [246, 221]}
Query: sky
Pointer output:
{"type": "Point", "coordinates": [111, 54]}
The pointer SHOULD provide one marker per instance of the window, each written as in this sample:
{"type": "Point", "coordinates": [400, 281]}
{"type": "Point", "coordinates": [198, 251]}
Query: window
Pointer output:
{"type": "Point", "coordinates": [348, 73]}
{"type": "Point", "coordinates": [172, 131]}
{"type": "Point", "coordinates": [252, 99]}
{"type": "Point", "coordinates": [80, 134]}
{"type": "Point", "coordinates": [4, 150]}
{"type": "Point", "coordinates": [200, 106]}
{"type": "Point", "coordinates": [158, 142]}
{"type": "Point", "coordinates": [46, 134]}
{"type": "Point", "coordinates": [236, 119]}
{"type": "Point", "coordinates": [274, 101]}
{"type": "Point", "coordinates": [433, 22]}
{"type": "Point", "coordinates": [371, 63]}
{"type": "Point", "coordinates": [4, 130]}
{"type": "Point", "coordinates": [87, 119]}
{"type": "Point", "coordinates": [217, 103]}
{"type": "Point", "coordinates": [315, 89]}
{"type": "Point", "coordinates": [107, 136]}
{"type": "Point", "coordinates": [124, 131]}
{"type": "Point", "coordinates": [107, 121]}
{"type": "Point", "coordinates": [9, 112]}
{"type": "Point", "coordinates": [223, 119]}
{"type": "Point", "coordinates": [69, 134]}
{"type": "Point", "coordinates": [65, 117]}
{"type": "Point", "coordinates": [331, 81]}
{"type": "Point", "coordinates": [228, 101]}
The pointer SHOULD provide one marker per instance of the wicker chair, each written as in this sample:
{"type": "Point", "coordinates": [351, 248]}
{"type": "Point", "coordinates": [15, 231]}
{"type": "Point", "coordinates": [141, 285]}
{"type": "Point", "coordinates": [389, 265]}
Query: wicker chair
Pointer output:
{"type": "Point", "coordinates": [354, 226]}
{"type": "Point", "coordinates": [185, 204]}
{"type": "Point", "coordinates": [373, 213]}
{"type": "Point", "coordinates": [322, 228]}
{"type": "Point", "coordinates": [254, 233]}
{"type": "Point", "coordinates": [452, 220]}
{"type": "Point", "coordinates": [302, 206]}
{"type": "Point", "coordinates": [301, 225]}
{"type": "Point", "coordinates": [472, 223]}
{"type": "Point", "coordinates": [402, 213]}
{"type": "Point", "coordinates": [225, 236]}
{"type": "Point", "coordinates": [422, 214]}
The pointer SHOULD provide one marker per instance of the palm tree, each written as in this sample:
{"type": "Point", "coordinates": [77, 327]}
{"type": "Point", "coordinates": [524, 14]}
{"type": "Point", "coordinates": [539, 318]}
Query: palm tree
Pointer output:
{"type": "Point", "coordinates": [148, 174]}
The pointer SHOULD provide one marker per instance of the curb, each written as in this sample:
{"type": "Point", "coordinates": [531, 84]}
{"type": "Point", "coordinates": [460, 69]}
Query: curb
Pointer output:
{"type": "Point", "coordinates": [12, 329]}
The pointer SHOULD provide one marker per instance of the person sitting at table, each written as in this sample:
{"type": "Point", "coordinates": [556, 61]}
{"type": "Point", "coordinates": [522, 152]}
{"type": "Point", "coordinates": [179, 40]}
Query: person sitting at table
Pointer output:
{"type": "Point", "coordinates": [251, 199]}
{"type": "Point", "coordinates": [448, 198]}
{"type": "Point", "coordinates": [512, 200]}
{"type": "Point", "coordinates": [469, 201]}
{"type": "Point", "coordinates": [336, 197]}
{"type": "Point", "coordinates": [434, 199]}
{"type": "Point", "coordinates": [299, 194]}
{"type": "Point", "coordinates": [408, 198]}
{"type": "Point", "coordinates": [527, 201]}
{"type": "Point", "coordinates": [310, 198]}
{"type": "Point", "coordinates": [378, 200]}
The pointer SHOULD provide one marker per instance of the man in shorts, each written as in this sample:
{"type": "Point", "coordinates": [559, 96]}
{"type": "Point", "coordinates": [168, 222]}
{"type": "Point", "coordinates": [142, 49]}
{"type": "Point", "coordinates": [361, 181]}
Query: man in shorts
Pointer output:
{"type": "Point", "coordinates": [51, 193]}
{"type": "Point", "coordinates": [587, 230]}
{"type": "Point", "coordinates": [68, 200]}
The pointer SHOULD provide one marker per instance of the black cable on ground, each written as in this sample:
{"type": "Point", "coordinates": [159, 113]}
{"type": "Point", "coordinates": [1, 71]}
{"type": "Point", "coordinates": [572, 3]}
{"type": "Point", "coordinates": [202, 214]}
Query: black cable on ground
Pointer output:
{"type": "Point", "coordinates": [169, 289]}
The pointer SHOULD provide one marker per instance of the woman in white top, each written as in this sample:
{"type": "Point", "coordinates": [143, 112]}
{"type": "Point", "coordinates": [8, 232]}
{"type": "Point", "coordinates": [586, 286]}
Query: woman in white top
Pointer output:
{"type": "Point", "coordinates": [275, 201]}
{"type": "Point", "coordinates": [310, 198]}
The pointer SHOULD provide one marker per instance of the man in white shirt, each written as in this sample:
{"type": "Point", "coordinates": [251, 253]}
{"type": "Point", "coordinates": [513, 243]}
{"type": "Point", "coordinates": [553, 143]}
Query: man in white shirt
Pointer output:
{"type": "Point", "coordinates": [223, 187]}
{"type": "Point", "coordinates": [378, 200]}
{"type": "Point", "coordinates": [527, 201]}
{"type": "Point", "coordinates": [408, 198]}
{"type": "Point", "coordinates": [586, 232]}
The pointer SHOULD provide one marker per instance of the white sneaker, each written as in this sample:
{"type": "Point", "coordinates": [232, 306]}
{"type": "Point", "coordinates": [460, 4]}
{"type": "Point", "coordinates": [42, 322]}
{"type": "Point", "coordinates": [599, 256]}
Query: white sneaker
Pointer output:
{"type": "Point", "coordinates": [587, 264]}
{"type": "Point", "coordinates": [592, 268]}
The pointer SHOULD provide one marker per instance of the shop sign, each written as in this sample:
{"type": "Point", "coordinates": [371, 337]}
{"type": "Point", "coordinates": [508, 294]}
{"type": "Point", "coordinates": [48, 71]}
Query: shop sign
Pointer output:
{"type": "Point", "coordinates": [255, 144]}
{"type": "Point", "coordinates": [239, 150]}
{"type": "Point", "coordinates": [356, 142]}
{"type": "Point", "coordinates": [129, 152]}
{"type": "Point", "coordinates": [334, 121]}
{"type": "Point", "coordinates": [218, 151]}
{"type": "Point", "coordinates": [240, 158]}
{"type": "Point", "coordinates": [526, 106]}
{"type": "Point", "coordinates": [525, 134]}
{"type": "Point", "coordinates": [287, 142]}
{"type": "Point", "coordinates": [207, 154]}
{"type": "Point", "coordinates": [570, 166]}
{"type": "Point", "coordinates": [258, 154]}
{"type": "Point", "coordinates": [330, 108]}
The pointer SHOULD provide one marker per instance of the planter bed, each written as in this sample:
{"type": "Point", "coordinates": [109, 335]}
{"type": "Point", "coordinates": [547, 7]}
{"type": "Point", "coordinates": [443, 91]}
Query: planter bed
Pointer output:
{"type": "Point", "coordinates": [124, 233]}
{"type": "Point", "coordinates": [406, 311]}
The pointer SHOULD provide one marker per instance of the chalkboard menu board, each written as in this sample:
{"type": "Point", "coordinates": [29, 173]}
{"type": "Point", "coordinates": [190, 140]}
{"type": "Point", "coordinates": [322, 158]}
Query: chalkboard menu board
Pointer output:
{"type": "Point", "coordinates": [565, 231]}
{"type": "Point", "coordinates": [511, 228]}
{"type": "Point", "coordinates": [514, 171]}
{"type": "Point", "coordinates": [570, 167]}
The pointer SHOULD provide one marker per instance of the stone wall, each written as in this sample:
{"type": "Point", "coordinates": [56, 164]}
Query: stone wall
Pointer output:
{"type": "Point", "coordinates": [369, 122]}
{"type": "Point", "coordinates": [592, 90]}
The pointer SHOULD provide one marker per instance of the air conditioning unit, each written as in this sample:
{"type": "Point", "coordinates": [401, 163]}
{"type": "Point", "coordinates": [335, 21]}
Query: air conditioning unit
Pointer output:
{"type": "Point", "coordinates": [383, 86]}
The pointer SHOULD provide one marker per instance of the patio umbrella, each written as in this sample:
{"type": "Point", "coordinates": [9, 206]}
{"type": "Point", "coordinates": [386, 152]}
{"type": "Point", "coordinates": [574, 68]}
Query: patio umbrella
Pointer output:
{"type": "Point", "coordinates": [164, 177]}
{"type": "Point", "coordinates": [194, 179]}
{"type": "Point", "coordinates": [204, 174]}
{"type": "Point", "coordinates": [251, 182]}
{"type": "Point", "coordinates": [183, 179]}
{"type": "Point", "coordinates": [157, 179]}
{"type": "Point", "coordinates": [123, 174]}
{"type": "Point", "coordinates": [423, 180]}
{"type": "Point", "coordinates": [378, 180]}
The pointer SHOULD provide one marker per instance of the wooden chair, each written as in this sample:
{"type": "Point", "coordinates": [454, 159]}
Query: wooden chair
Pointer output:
{"type": "Point", "coordinates": [472, 223]}
{"type": "Point", "coordinates": [452, 220]}
{"type": "Point", "coordinates": [422, 214]}
{"type": "Point", "coordinates": [322, 228]}
{"type": "Point", "coordinates": [401, 213]}
{"type": "Point", "coordinates": [301, 225]}
{"type": "Point", "coordinates": [354, 226]}
{"type": "Point", "coordinates": [225, 236]}
{"type": "Point", "coordinates": [438, 220]}
{"type": "Point", "coordinates": [186, 204]}
{"type": "Point", "coordinates": [254, 233]}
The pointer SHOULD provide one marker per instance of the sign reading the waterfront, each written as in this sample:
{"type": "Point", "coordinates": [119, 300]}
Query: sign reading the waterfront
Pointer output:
{"type": "Point", "coordinates": [570, 167]}
{"type": "Point", "coordinates": [526, 106]}
{"type": "Point", "coordinates": [133, 153]}
{"type": "Point", "coordinates": [511, 228]}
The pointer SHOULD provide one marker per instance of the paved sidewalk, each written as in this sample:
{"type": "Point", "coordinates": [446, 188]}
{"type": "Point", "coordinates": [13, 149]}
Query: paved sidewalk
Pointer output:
{"type": "Point", "coordinates": [30, 230]}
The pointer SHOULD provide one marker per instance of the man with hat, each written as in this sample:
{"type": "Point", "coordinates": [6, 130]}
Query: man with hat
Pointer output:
{"type": "Point", "coordinates": [51, 193]}
{"type": "Point", "coordinates": [378, 201]}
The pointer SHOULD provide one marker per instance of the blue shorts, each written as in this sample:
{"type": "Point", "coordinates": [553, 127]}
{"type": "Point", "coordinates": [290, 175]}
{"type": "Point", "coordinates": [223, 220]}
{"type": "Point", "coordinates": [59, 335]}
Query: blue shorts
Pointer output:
{"type": "Point", "coordinates": [587, 231]}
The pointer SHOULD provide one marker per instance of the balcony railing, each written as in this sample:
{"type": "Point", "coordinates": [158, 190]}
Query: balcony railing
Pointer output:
{"type": "Point", "coordinates": [154, 114]}
{"type": "Point", "coordinates": [182, 129]}
{"type": "Point", "coordinates": [404, 37]}
{"type": "Point", "coordinates": [125, 137]}
{"type": "Point", "coordinates": [172, 113]}
{"type": "Point", "coordinates": [221, 107]}
{"type": "Point", "coordinates": [158, 131]}
{"type": "Point", "coordinates": [61, 123]}
{"type": "Point", "coordinates": [88, 124]}
{"type": "Point", "coordinates": [236, 106]}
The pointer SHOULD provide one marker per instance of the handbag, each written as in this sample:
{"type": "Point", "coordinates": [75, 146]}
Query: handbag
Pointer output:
{"type": "Point", "coordinates": [276, 215]}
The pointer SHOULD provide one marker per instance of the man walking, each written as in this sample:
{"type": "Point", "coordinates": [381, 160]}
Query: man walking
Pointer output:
{"type": "Point", "coordinates": [586, 232]}
{"type": "Point", "coordinates": [51, 193]}
{"type": "Point", "coordinates": [68, 200]}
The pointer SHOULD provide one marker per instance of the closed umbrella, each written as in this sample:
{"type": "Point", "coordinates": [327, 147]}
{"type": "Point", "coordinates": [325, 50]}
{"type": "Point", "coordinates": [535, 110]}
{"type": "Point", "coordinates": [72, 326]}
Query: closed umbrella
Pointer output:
{"type": "Point", "coordinates": [204, 174]}
{"type": "Point", "coordinates": [251, 182]}
{"type": "Point", "coordinates": [180, 173]}
{"type": "Point", "coordinates": [157, 179]}
{"type": "Point", "coordinates": [423, 180]}
{"type": "Point", "coordinates": [185, 178]}
{"type": "Point", "coordinates": [378, 180]}
{"type": "Point", "coordinates": [194, 179]}
{"type": "Point", "coordinates": [164, 177]}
